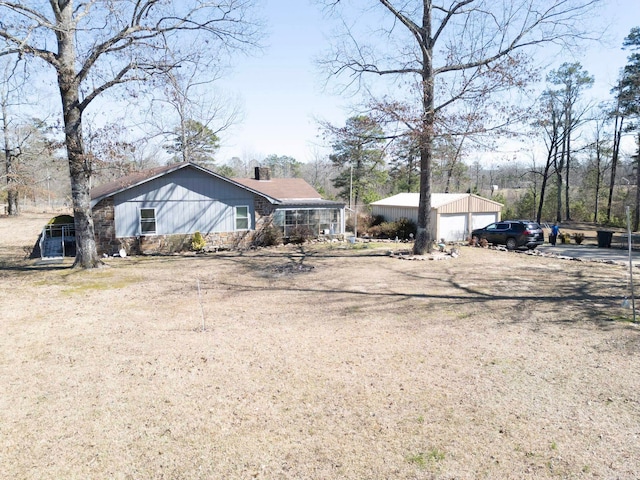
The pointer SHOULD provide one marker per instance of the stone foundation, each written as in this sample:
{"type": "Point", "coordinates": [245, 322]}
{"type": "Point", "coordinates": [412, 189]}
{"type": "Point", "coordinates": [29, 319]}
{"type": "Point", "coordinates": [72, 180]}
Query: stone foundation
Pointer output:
{"type": "Point", "coordinates": [168, 244]}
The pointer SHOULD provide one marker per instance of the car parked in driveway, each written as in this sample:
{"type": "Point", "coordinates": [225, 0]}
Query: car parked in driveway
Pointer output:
{"type": "Point", "coordinates": [512, 233]}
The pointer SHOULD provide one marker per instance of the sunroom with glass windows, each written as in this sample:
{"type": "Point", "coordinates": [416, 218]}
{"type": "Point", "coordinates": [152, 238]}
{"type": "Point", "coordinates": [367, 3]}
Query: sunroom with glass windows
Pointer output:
{"type": "Point", "coordinates": [318, 220]}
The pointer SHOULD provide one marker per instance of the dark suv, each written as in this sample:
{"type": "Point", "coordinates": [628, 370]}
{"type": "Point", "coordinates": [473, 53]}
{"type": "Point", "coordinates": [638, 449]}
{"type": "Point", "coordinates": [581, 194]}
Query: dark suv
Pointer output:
{"type": "Point", "coordinates": [512, 233]}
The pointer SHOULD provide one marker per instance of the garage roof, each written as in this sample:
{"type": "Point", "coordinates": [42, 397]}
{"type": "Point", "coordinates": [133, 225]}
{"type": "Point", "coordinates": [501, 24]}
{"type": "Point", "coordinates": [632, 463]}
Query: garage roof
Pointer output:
{"type": "Point", "coordinates": [412, 199]}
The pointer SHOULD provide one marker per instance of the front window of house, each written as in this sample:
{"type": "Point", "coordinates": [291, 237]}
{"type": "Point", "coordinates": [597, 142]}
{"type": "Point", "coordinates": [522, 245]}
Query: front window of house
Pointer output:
{"type": "Point", "coordinates": [147, 221]}
{"type": "Point", "coordinates": [242, 218]}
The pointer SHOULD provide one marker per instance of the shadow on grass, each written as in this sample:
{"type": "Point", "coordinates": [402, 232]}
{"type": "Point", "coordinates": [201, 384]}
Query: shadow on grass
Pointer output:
{"type": "Point", "coordinates": [34, 267]}
{"type": "Point", "coordinates": [298, 254]}
{"type": "Point", "coordinates": [521, 298]}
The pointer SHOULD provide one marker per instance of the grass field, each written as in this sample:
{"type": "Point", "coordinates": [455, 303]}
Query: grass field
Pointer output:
{"type": "Point", "coordinates": [321, 362]}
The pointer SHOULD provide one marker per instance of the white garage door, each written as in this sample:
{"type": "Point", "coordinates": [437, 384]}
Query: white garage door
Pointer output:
{"type": "Point", "coordinates": [453, 227]}
{"type": "Point", "coordinates": [480, 220]}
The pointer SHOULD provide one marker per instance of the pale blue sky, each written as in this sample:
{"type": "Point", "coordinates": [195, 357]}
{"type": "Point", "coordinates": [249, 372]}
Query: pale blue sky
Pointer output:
{"type": "Point", "coordinates": [281, 90]}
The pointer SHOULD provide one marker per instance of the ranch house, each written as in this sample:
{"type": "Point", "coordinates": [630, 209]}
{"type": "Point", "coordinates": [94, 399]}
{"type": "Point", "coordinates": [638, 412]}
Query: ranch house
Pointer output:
{"type": "Point", "coordinates": [158, 210]}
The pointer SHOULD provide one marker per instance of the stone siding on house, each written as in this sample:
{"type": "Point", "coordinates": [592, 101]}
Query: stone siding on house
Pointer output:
{"type": "Point", "coordinates": [181, 242]}
{"type": "Point", "coordinates": [263, 211]}
{"type": "Point", "coordinates": [105, 227]}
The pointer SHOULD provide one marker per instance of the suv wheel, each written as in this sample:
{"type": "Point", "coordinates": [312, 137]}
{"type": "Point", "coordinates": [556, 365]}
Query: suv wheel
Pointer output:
{"type": "Point", "coordinates": [511, 243]}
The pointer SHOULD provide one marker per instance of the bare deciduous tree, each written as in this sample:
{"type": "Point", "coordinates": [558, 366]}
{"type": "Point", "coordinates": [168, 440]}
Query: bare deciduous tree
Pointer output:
{"type": "Point", "coordinates": [449, 51]}
{"type": "Point", "coordinates": [192, 101]}
{"type": "Point", "coordinates": [11, 90]}
{"type": "Point", "coordinates": [110, 152]}
{"type": "Point", "coordinates": [571, 80]}
{"type": "Point", "coordinates": [94, 46]}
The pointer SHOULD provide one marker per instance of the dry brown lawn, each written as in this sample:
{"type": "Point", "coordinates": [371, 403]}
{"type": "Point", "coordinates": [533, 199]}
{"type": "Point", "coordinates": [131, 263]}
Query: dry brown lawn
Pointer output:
{"type": "Point", "coordinates": [493, 365]}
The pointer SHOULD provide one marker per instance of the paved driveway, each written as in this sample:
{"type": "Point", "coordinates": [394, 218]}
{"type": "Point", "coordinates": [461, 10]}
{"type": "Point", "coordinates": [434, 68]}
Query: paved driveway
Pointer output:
{"type": "Point", "coordinates": [592, 252]}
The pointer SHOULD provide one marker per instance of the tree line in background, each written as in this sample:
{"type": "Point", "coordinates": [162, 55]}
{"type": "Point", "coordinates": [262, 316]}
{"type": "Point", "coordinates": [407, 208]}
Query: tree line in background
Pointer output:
{"type": "Point", "coordinates": [449, 114]}
{"type": "Point", "coordinates": [583, 176]}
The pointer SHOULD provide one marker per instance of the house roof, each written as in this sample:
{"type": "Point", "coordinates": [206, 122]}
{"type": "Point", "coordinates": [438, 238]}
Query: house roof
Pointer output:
{"type": "Point", "coordinates": [282, 188]}
{"type": "Point", "coordinates": [413, 199]}
{"type": "Point", "coordinates": [280, 191]}
{"type": "Point", "coordinates": [290, 191]}
{"type": "Point", "coordinates": [123, 183]}
{"type": "Point", "coordinates": [309, 202]}
{"type": "Point", "coordinates": [136, 178]}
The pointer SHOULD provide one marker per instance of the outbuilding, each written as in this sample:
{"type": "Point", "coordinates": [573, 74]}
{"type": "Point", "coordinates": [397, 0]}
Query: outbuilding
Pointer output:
{"type": "Point", "coordinates": [453, 215]}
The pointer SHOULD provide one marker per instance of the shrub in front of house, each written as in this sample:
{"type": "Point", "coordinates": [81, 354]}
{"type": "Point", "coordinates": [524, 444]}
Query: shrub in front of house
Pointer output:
{"type": "Point", "coordinates": [402, 228]}
{"type": "Point", "coordinates": [384, 230]}
{"type": "Point", "coordinates": [406, 229]}
{"type": "Point", "coordinates": [268, 236]}
{"type": "Point", "coordinates": [376, 220]}
{"type": "Point", "coordinates": [300, 234]}
{"type": "Point", "coordinates": [365, 220]}
{"type": "Point", "coordinates": [197, 242]}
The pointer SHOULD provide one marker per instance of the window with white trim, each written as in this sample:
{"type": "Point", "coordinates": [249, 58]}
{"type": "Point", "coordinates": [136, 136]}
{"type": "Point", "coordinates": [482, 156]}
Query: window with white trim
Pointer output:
{"type": "Point", "coordinates": [147, 221]}
{"type": "Point", "coordinates": [242, 218]}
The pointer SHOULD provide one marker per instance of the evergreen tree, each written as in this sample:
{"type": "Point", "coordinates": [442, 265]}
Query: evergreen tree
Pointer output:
{"type": "Point", "coordinates": [282, 166]}
{"type": "Point", "coordinates": [194, 142]}
{"type": "Point", "coordinates": [358, 153]}
{"type": "Point", "coordinates": [404, 166]}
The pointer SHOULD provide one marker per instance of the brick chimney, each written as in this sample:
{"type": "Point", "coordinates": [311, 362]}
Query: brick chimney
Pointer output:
{"type": "Point", "coordinates": [263, 173]}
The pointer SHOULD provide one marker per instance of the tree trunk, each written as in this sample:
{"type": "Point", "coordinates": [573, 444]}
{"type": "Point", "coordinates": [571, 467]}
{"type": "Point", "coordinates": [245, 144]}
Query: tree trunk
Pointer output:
{"type": "Point", "coordinates": [12, 191]}
{"type": "Point", "coordinates": [79, 167]}
{"type": "Point", "coordinates": [86, 252]}
{"type": "Point", "coordinates": [423, 236]}
{"type": "Point", "coordinates": [543, 187]}
{"type": "Point", "coordinates": [559, 171]}
{"type": "Point", "coordinates": [559, 198]}
{"type": "Point", "coordinates": [552, 158]}
{"type": "Point", "coordinates": [567, 164]}
{"type": "Point", "coordinates": [13, 206]}
{"type": "Point", "coordinates": [617, 135]}
{"type": "Point", "coordinates": [636, 215]}
{"type": "Point", "coordinates": [598, 180]}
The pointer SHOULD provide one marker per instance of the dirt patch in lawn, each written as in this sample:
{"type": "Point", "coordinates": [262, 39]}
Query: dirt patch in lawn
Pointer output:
{"type": "Point", "coordinates": [325, 361]}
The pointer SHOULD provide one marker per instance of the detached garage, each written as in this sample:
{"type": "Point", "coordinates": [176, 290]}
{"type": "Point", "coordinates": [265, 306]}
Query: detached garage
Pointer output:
{"type": "Point", "coordinates": [453, 215]}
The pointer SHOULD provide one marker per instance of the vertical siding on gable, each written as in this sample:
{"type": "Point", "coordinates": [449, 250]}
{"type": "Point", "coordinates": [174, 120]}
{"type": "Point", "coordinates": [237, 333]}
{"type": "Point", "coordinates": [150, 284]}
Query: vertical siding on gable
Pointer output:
{"type": "Point", "coordinates": [460, 205]}
{"type": "Point", "coordinates": [469, 204]}
{"type": "Point", "coordinates": [185, 201]}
